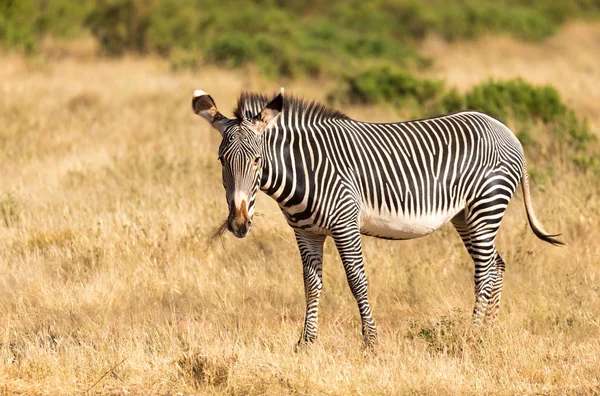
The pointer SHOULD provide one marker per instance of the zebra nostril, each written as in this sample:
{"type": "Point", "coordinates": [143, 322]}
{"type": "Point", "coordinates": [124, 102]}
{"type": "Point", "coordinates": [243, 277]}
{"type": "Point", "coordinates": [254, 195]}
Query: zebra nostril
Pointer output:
{"type": "Point", "coordinates": [241, 231]}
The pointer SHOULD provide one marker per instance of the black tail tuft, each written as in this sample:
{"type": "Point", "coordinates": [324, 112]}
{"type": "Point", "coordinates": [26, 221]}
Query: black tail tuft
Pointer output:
{"type": "Point", "coordinates": [549, 238]}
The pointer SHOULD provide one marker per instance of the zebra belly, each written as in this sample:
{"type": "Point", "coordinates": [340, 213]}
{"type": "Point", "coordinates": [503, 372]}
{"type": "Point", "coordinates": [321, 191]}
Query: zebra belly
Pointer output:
{"type": "Point", "coordinates": [401, 226]}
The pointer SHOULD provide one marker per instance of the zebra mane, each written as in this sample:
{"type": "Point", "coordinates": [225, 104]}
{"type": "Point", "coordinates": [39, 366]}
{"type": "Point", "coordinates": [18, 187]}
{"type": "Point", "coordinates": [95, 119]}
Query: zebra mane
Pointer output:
{"type": "Point", "coordinates": [250, 103]}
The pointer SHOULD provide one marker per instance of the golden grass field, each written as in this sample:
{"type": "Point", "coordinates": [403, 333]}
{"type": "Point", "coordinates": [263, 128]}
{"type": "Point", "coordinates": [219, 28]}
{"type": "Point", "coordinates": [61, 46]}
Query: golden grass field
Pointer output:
{"type": "Point", "coordinates": [110, 187]}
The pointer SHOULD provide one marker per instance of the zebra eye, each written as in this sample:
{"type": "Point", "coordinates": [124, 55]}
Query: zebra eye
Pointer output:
{"type": "Point", "coordinates": [257, 160]}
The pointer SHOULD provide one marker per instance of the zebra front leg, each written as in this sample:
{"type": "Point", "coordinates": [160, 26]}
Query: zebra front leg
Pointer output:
{"type": "Point", "coordinates": [311, 251]}
{"type": "Point", "coordinates": [349, 247]}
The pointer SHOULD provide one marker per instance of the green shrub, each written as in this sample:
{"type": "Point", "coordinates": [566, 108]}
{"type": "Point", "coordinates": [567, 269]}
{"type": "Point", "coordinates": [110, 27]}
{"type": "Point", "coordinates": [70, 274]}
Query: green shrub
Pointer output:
{"type": "Point", "coordinates": [400, 88]}
{"type": "Point", "coordinates": [561, 11]}
{"type": "Point", "coordinates": [450, 101]}
{"type": "Point", "coordinates": [173, 25]}
{"type": "Point", "coordinates": [19, 28]}
{"type": "Point", "coordinates": [475, 18]}
{"type": "Point", "coordinates": [587, 162]}
{"type": "Point", "coordinates": [23, 23]}
{"type": "Point", "coordinates": [63, 18]}
{"type": "Point", "coordinates": [120, 25]}
{"type": "Point", "coordinates": [516, 98]}
{"type": "Point", "coordinates": [578, 130]}
{"type": "Point", "coordinates": [237, 49]}
{"type": "Point", "coordinates": [384, 84]}
{"type": "Point", "coordinates": [297, 38]}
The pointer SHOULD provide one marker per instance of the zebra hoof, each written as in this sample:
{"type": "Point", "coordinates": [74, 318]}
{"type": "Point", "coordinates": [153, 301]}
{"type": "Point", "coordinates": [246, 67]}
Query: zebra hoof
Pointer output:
{"type": "Point", "coordinates": [304, 343]}
{"type": "Point", "coordinates": [369, 347]}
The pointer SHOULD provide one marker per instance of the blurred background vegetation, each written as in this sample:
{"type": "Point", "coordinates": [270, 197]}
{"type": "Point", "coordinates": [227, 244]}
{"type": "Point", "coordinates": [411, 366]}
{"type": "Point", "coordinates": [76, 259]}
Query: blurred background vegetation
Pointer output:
{"type": "Point", "coordinates": [282, 38]}
{"type": "Point", "coordinates": [370, 48]}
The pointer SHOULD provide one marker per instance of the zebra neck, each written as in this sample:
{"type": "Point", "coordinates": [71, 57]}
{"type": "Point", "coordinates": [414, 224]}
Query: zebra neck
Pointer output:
{"type": "Point", "coordinates": [289, 158]}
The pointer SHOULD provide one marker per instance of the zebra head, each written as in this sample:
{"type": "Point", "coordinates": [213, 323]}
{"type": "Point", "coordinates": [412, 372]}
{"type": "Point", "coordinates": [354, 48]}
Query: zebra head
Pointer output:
{"type": "Point", "coordinates": [240, 153]}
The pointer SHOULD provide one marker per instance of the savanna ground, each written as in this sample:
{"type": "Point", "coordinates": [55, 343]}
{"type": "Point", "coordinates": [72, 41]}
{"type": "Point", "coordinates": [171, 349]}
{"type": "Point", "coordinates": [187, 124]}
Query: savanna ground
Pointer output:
{"type": "Point", "coordinates": [110, 189]}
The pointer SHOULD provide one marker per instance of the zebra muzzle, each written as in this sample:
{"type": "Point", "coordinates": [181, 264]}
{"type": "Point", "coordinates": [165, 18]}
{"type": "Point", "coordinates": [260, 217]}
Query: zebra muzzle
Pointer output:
{"type": "Point", "coordinates": [239, 222]}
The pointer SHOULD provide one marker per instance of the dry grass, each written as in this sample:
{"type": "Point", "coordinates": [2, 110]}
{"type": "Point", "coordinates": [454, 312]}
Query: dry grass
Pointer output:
{"type": "Point", "coordinates": [109, 190]}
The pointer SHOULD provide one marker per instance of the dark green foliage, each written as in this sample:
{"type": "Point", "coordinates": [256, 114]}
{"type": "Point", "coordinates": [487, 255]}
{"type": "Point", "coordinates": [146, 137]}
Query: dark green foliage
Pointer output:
{"type": "Point", "coordinates": [281, 46]}
{"type": "Point", "coordinates": [560, 11]}
{"type": "Point", "coordinates": [391, 86]}
{"type": "Point", "coordinates": [238, 49]}
{"type": "Point", "coordinates": [120, 25]}
{"type": "Point", "coordinates": [400, 88]}
{"type": "Point", "coordinates": [451, 101]}
{"type": "Point", "coordinates": [587, 162]}
{"type": "Point", "coordinates": [516, 98]}
{"type": "Point", "coordinates": [174, 21]}
{"type": "Point", "coordinates": [281, 38]}
{"type": "Point", "coordinates": [525, 137]}
{"type": "Point", "coordinates": [474, 18]}
{"type": "Point", "coordinates": [17, 27]}
{"type": "Point", "coordinates": [62, 18]}
{"type": "Point", "coordinates": [24, 22]}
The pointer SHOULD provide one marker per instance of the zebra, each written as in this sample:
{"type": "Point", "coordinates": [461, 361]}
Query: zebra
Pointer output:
{"type": "Point", "coordinates": [333, 176]}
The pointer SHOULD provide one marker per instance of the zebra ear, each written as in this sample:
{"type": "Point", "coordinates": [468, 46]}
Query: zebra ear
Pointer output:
{"type": "Point", "coordinates": [268, 116]}
{"type": "Point", "coordinates": [204, 105]}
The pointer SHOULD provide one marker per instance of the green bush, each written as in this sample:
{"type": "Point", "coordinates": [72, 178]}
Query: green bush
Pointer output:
{"type": "Point", "coordinates": [63, 18]}
{"type": "Point", "coordinates": [120, 25]}
{"type": "Point", "coordinates": [475, 18]}
{"type": "Point", "coordinates": [18, 28]}
{"type": "Point", "coordinates": [297, 38]}
{"type": "Point", "coordinates": [235, 50]}
{"type": "Point", "coordinates": [561, 11]}
{"type": "Point", "coordinates": [516, 98]}
{"type": "Point", "coordinates": [400, 88]}
{"type": "Point", "coordinates": [174, 25]}
{"type": "Point", "coordinates": [387, 85]}
{"type": "Point", "coordinates": [23, 23]}
{"type": "Point", "coordinates": [578, 130]}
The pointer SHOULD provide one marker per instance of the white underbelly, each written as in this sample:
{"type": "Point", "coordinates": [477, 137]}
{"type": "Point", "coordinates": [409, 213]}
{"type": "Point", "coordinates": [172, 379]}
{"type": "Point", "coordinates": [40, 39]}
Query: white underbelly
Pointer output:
{"type": "Point", "coordinates": [401, 226]}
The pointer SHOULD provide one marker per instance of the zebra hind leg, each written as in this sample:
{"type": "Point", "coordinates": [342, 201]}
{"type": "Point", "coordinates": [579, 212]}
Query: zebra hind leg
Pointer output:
{"type": "Point", "coordinates": [494, 303]}
{"type": "Point", "coordinates": [479, 239]}
{"type": "Point", "coordinates": [311, 251]}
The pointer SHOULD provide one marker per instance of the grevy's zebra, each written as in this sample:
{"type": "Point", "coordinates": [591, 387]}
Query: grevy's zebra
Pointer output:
{"type": "Point", "coordinates": [335, 176]}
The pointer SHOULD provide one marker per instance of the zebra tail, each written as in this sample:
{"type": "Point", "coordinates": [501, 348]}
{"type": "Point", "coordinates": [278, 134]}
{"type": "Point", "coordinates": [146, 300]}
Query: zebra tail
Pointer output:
{"type": "Point", "coordinates": [534, 223]}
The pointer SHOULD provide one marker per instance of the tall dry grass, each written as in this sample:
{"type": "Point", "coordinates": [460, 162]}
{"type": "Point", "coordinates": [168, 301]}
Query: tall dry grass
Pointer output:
{"type": "Point", "coordinates": [109, 187]}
